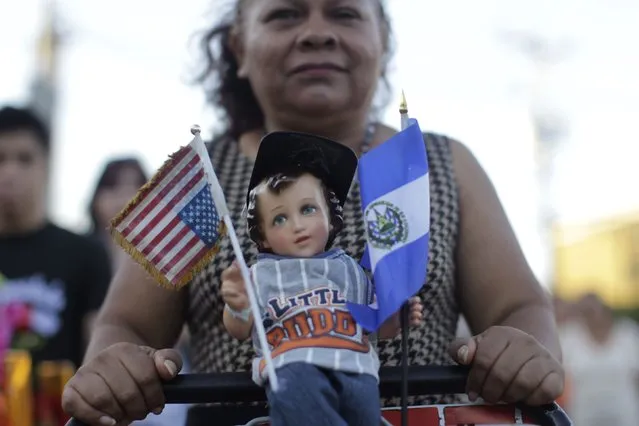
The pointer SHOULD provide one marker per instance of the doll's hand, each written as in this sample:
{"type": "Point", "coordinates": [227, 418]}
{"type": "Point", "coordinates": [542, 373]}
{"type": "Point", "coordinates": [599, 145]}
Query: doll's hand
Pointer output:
{"type": "Point", "coordinates": [508, 365]}
{"type": "Point", "coordinates": [392, 326]}
{"type": "Point", "coordinates": [415, 311]}
{"type": "Point", "coordinates": [233, 288]}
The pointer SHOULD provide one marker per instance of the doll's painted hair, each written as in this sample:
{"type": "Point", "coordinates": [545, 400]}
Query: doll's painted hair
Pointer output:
{"type": "Point", "coordinates": [278, 183]}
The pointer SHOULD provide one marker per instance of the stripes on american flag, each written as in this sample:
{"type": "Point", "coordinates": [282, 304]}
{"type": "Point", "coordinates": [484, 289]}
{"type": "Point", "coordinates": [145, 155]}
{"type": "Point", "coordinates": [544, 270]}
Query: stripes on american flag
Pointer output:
{"type": "Point", "coordinates": [172, 227]}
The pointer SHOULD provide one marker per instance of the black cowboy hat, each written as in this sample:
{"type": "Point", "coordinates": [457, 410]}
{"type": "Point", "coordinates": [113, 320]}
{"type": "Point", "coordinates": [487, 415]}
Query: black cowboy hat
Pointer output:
{"type": "Point", "coordinates": [291, 152]}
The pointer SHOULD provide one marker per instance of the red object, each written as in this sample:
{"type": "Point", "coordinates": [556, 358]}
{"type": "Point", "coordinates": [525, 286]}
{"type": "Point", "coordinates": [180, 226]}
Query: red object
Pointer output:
{"type": "Point", "coordinates": [21, 315]}
{"type": "Point", "coordinates": [455, 415]}
{"type": "Point", "coordinates": [422, 416]}
{"type": "Point", "coordinates": [45, 411]}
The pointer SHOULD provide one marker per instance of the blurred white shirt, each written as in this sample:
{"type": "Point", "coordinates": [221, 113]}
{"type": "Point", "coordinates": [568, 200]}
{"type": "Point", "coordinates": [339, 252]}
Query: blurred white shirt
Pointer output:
{"type": "Point", "coordinates": [605, 377]}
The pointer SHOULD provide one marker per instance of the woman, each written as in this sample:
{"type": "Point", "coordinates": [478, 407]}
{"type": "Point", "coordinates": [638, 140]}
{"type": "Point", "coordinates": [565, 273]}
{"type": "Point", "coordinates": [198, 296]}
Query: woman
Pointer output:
{"type": "Point", "coordinates": [315, 66]}
{"type": "Point", "coordinates": [119, 182]}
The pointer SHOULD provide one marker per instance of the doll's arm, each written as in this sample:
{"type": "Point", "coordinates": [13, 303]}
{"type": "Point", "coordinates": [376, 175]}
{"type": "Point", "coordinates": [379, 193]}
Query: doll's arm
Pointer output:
{"type": "Point", "coordinates": [237, 317]}
{"type": "Point", "coordinates": [238, 324]}
{"type": "Point", "coordinates": [390, 328]}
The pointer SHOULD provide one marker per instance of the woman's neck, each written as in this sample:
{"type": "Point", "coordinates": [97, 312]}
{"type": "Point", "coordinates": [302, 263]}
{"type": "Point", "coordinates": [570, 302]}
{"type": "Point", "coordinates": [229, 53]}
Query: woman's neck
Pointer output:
{"type": "Point", "coordinates": [351, 136]}
{"type": "Point", "coordinates": [349, 133]}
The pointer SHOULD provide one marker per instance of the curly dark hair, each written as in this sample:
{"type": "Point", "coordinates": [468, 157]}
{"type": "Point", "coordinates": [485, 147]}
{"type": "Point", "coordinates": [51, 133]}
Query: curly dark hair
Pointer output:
{"type": "Point", "coordinates": [278, 183]}
{"type": "Point", "coordinates": [232, 95]}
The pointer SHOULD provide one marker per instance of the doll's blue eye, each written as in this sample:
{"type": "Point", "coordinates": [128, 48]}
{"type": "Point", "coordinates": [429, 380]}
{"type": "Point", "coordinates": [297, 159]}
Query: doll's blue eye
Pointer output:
{"type": "Point", "coordinates": [308, 209]}
{"type": "Point", "coordinates": [279, 220]}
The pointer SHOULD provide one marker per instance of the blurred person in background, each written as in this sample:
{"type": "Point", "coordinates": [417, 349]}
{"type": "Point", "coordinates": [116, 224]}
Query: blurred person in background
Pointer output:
{"type": "Point", "coordinates": [315, 66]}
{"type": "Point", "coordinates": [119, 182]}
{"type": "Point", "coordinates": [601, 355]}
{"type": "Point", "coordinates": [53, 279]}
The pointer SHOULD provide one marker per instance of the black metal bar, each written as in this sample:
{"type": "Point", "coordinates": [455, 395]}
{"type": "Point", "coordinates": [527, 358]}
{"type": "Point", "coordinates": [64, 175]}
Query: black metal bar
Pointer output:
{"type": "Point", "coordinates": [422, 380]}
{"type": "Point", "coordinates": [405, 327]}
{"type": "Point", "coordinates": [238, 387]}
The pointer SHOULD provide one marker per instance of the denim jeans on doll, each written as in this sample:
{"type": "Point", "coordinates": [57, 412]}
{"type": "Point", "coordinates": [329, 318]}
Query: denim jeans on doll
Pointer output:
{"type": "Point", "coordinates": [312, 396]}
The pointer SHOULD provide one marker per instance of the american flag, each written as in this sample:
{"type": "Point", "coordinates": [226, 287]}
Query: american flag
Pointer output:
{"type": "Point", "coordinates": [173, 227]}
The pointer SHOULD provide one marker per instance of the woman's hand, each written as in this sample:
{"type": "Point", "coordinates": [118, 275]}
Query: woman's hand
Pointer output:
{"type": "Point", "coordinates": [121, 384]}
{"type": "Point", "coordinates": [233, 289]}
{"type": "Point", "coordinates": [509, 365]}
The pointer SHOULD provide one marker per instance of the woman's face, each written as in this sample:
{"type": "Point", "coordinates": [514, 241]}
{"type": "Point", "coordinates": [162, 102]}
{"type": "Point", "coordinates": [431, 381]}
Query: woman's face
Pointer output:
{"type": "Point", "coordinates": [111, 200]}
{"type": "Point", "coordinates": [311, 56]}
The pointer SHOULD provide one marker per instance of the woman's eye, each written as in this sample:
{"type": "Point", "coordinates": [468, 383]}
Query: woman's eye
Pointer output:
{"type": "Point", "coordinates": [283, 14]}
{"type": "Point", "coordinates": [306, 210]}
{"type": "Point", "coordinates": [279, 220]}
{"type": "Point", "coordinates": [345, 13]}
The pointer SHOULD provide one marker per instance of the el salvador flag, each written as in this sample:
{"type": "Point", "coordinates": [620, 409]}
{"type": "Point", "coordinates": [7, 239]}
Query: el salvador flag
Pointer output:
{"type": "Point", "coordinates": [396, 203]}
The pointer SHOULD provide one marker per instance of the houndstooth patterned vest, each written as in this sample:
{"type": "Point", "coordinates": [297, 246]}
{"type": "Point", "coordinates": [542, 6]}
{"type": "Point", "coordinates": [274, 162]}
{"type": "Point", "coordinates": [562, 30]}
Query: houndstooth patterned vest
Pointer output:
{"type": "Point", "coordinates": [214, 350]}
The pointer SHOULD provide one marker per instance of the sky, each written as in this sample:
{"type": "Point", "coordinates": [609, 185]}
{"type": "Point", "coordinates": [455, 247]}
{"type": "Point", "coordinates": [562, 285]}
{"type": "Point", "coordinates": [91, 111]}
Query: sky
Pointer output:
{"type": "Point", "coordinates": [124, 91]}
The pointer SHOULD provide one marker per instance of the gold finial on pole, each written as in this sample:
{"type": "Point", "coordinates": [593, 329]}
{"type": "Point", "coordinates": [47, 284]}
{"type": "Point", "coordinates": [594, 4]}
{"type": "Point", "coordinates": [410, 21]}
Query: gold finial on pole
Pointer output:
{"type": "Point", "coordinates": [403, 106]}
{"type": "Point", "coordinates": [403, 112]}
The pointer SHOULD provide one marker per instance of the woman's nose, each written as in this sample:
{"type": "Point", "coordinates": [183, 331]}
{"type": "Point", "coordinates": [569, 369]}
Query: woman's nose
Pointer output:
{"type": "Point", "coordinates": [316, 34]}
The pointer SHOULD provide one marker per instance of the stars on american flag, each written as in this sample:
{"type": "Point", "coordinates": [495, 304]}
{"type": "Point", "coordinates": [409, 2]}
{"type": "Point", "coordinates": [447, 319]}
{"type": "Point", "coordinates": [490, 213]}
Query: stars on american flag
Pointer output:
{"type": "Point", "coordinates": [201, 216]}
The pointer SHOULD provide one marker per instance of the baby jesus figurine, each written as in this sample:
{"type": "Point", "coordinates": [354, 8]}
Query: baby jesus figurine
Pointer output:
{"type": "Point", "coordinates": [326, 364]}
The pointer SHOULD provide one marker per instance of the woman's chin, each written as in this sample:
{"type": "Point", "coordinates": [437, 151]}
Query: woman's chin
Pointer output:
{"type": "Point", "coordinates": [320, 101]}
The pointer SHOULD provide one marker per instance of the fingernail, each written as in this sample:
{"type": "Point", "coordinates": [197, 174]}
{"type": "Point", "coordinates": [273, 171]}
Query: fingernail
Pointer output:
{"type": "Point", "coordinates": [107, 421]}
{"type": "Point", "coordinates": [158, 411]}
{"type": "Point", "coordinates": [170, 365]}
{"type": "Point", "coordinates": [472, 396]}
{"type": "Point", "coordinates": [462, 354]}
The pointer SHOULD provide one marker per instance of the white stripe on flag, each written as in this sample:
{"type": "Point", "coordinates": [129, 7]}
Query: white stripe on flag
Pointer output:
{"type": "Point", "coordinates": [159, 187]}
{"type": "Point", "coordinates": [413, 199]}
{"type": "Point", "coordinates": [174, 250]}
{"type": "Point", "coordinates": [157, 229]}
{"type": "Point", "coordinates": [162, 245]}
{"type": "Point", "coordinates": [188, 257]}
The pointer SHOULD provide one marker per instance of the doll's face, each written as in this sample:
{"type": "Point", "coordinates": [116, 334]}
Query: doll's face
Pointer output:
{"type": "Point", "coordinates": [295, 221]}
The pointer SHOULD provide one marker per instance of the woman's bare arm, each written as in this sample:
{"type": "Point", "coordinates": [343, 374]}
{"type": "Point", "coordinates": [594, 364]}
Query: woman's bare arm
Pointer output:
{"type": "Point", "coordinates": [137, 310]}
{"type": "Point", "coordinates": [495, 283]}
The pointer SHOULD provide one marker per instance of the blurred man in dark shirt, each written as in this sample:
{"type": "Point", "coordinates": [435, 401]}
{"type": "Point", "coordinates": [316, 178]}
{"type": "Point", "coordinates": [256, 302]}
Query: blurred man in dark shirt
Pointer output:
{"type": "Point", "coordinates": [52, 281]}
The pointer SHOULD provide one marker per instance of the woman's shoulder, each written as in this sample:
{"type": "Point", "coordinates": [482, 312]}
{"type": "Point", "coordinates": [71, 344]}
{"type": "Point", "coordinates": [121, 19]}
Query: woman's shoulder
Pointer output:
{"type": "Point", "coordinates": [455, 155]}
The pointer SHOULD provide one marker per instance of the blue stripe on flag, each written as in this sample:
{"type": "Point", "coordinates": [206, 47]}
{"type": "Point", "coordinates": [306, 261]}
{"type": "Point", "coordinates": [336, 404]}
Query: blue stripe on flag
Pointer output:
{"type": "Point", "coordinates": [394, 163]}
